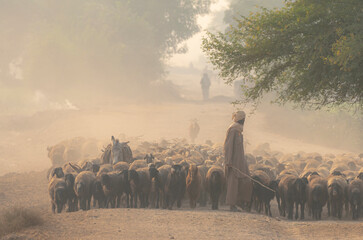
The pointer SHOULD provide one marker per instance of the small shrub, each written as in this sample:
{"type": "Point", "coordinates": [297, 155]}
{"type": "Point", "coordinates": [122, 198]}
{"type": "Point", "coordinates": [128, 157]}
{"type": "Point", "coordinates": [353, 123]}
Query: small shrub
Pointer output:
{"type": "Point", "coordinates": [17, 218]}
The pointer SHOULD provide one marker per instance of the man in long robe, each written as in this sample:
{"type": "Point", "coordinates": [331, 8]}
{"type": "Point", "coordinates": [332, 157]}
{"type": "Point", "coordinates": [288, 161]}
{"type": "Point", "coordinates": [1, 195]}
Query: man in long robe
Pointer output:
{"type": "Point", "coordinates": [239, 186]}
{"type": "Point", "coordinates": [205, 83]}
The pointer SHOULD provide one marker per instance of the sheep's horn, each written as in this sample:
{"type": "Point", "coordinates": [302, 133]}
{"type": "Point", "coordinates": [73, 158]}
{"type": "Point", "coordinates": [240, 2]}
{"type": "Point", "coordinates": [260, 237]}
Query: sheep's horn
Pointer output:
{"type": "Point", "coordinates": [77, 169]}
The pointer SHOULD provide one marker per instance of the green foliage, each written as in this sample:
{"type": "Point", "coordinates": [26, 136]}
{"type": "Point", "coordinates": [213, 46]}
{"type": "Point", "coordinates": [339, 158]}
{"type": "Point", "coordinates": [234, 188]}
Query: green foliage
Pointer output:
{"type": "Point", "coordinates": [109, 46]}
{"type": "Point", "coordinates": [308, 52]}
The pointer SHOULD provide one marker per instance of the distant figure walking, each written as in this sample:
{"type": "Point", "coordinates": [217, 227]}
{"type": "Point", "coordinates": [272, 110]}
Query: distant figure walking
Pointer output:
{"type": "Point", "coordinates": [193, 130]}
{"type": "Point", "coordinates": [237, 89]}
{"type": "Point", "coordinates": [205, 83]}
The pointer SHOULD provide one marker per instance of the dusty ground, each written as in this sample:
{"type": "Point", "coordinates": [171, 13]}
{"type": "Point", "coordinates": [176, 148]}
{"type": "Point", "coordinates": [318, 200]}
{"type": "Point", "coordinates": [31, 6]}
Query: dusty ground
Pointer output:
{"type": "Point", "coordinates": [31, 190]}
{"type": "Point", "coordinates": [22, 149]}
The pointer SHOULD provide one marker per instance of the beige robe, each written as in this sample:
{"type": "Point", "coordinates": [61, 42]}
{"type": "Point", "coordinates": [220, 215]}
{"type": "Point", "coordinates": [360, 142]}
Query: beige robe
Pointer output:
{"type": "Point", "coordinates": [239, 187]}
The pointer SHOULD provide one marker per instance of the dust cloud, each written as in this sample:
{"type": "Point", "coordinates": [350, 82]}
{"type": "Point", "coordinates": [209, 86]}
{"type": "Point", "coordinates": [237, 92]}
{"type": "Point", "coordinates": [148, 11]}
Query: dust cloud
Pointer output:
{"type": "Point", "coordinates": [70, 69]}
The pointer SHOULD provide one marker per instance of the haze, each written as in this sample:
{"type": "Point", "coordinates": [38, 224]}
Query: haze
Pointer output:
{"type": "Point", "coordinates": [92, 69]}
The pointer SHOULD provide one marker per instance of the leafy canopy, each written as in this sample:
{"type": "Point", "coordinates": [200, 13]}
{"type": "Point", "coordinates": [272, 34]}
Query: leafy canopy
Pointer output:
{"type": "Point", "coordinates": [112, 47]}
{"type": "Point", "coordinates": [308, 52]}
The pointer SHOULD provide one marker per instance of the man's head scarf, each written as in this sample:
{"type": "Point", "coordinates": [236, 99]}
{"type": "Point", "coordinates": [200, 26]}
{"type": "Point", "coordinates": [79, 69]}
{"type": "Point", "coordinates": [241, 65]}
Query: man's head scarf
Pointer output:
{"type": "Point", "coordinates": [238, 116]}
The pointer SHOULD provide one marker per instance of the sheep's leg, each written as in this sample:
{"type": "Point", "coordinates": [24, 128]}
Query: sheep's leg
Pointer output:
{"type": "Point", "coordinates": [167, 201]}
{"type": "Point", "coordinates": [157, 199]}
{"type": "Point", "coordinates": [346, 208]}
{"type": "Point", "coordinates": [59, 207]}
{"type": "Point", "coordinates": [302, 209]}
{"type": "Point", "coordinates": [329, 205]}
{"type": "Point", "coordinates": [278, 203]}
{"type": "Point", "coordinates": [131, 200]}
{"type": "Point", "coordinates": [135, 200]}
{"type": "Point", "coordinates": [118, 201]}
{"type": "Point", "coordinates": [290, 209]}
{"type": "Point", "coordinates": [191, 203]}
{"type": "Point", "coordinates": [147, 200]}
{"type": "Point", "coordinates": [127, 200]}
{"type": "Point", "coordinates": [340, 210]}
{"type": "Point", "coordinates": [296, 210]}
{"type": "Point", "coordinates": [69, 203]}
{"type": "Point", "coordinates": [53, 207]}
{"type": "Point", "coordinates": [171, 203]}
{"type": "Point", "coordinates": [94, 202]}
{"type": "Point", "coordinates": [269, 210]}
{"type": "Point", "coordinates": [89, 203]}
{"type": "Point", "coordinates": [283, 208]}
{"type": "Point", "coordinates": [75, 204]}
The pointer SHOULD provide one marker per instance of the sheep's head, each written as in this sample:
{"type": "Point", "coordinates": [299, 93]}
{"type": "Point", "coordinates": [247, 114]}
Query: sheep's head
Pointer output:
{"type": "Point", "coordinates": [193, 170]}
{"type": "Point", "coordinates": [58, 172]}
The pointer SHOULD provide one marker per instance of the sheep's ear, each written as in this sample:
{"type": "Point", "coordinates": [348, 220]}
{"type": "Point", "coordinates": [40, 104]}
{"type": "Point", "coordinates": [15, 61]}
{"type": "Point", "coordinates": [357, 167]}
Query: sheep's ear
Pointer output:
{"type": "Point", "coordinates": [113, 140]}
{"type": "Point", "coordinates": [305, 180]}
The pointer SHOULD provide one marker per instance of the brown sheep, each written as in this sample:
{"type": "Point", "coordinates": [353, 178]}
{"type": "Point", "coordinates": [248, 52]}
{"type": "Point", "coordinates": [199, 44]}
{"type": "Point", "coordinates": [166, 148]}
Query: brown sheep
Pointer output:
{"type": "Point", "coordinates": [83, 186]}
{"type": "Point", "coordinates": [138, 164]}
{"type": "Point", "coordinates": [337, 190]}
{"type": "Point", "coordinates": [203, 195]}
{"type": "Point", "coordinates": [121, 166]}
{"type": "Point", "coordinates": [174, 188]}
{"type": "Point", "coordinates": [193, 185]}
{"type": "Point", "coordinates": [71, 195]}
{"type": "Point", "coordinates": [145, 184]}
{"type": "Point", "coordinates": [339, 167]}
{"type": "Point", "coordinates": [98, 194]}
{"type": "Point", "coordinates": [215, 184]}
{"type": "Point", "coordinates": [288, 172]}
{"type": "Point", "coordinates": [292, 190]}
{"type": "Point", "coordinates": [155, 187]}
{"type": "Point", "coordinates": [312, 163]}
{"type": "Point", "coordinates": [164, 172]}
{"type": "Point", "coordinates": [55, 153]}
{"type": "Point", "coordinates": [104, 168]}
{"type": "Point", "coordinates": [113, 187]}
{"type": "Point", "coordinates": [263, 196]}
{"type": "Point", "coordinates": [133, 187]}
{"type": "Point", "coordinates": [71, 168]}
{"type": "Point", "coordinates": [355, 194]}
{"type": "Point", "coordinates": [58, 194]}
{"type": "Point", "coordinates": [55, 172]}
{"type": "Point", "coordinates": [317, 196]}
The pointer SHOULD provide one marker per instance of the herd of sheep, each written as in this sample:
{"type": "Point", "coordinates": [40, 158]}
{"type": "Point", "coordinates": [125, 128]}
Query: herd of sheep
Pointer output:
{"type": "Point", "coordinates": [165, 173]}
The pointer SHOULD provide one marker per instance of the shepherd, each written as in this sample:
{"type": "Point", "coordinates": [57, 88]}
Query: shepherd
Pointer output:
{"type": "Point", "coordinates": [239, 186]}
{"type": "Point", "coordinates": [194, 130]}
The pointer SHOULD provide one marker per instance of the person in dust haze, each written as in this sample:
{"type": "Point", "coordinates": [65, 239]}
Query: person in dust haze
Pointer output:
{"type": "Point", "coordinates": [205, 83]}
{"type": "Point", "coordinates": [237, 88]}
{"type": "Point", "coordinates": [193, 130]}
{"type": "Point", "coordinates": [239, 186]}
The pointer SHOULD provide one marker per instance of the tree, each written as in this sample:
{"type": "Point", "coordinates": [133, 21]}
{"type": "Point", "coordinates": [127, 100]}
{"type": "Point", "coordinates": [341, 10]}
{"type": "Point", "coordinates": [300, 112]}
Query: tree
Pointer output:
{"type": "Point", "coordinates": [111, 47]}
{"type": "Point", "coordinates": [308, 52]}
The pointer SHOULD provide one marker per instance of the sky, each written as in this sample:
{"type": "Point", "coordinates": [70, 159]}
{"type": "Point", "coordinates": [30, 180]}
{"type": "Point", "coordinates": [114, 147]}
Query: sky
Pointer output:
{"type": "Point", "coordinates": [185, 70]}
{"type": "Point", "coordinates": [213, 22]}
